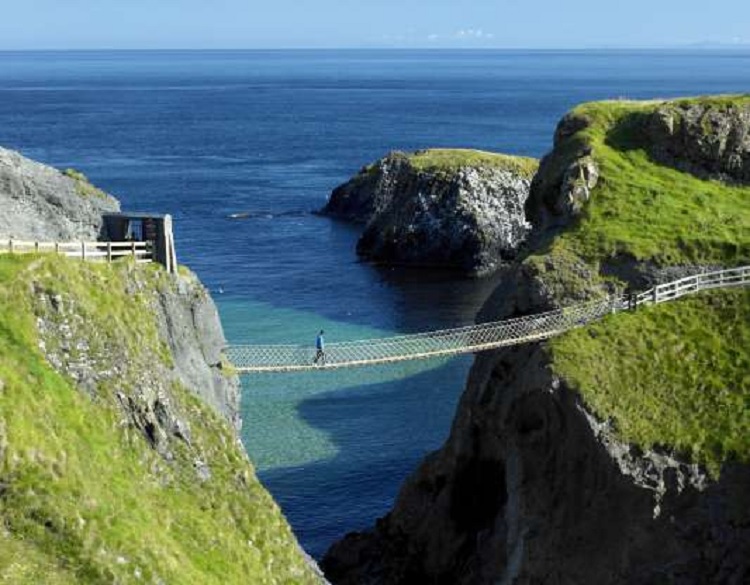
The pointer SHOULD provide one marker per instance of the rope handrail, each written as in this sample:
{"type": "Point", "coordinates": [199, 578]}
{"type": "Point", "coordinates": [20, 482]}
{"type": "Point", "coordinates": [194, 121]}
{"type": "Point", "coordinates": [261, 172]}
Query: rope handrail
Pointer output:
{"type": "Point", "coordinates": [472, 338]}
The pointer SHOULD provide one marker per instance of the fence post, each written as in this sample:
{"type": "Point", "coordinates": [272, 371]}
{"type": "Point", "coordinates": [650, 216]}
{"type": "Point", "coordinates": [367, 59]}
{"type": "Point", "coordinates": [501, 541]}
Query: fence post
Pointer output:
{"type": "Point", "coordinates": [36, 247]}
{"type": "Point", "coordinates": [132, 249]}
{"type": "Point", "coordinates": [83, 251]}
{"type": "Point", "coordinates": [10, 245]}
{"type": "Point", "coordinates": [655, 294]}
{"type": "Point", "coordinates": [109, 252]}
{"type": "Point", "coordinates": [57, 248]}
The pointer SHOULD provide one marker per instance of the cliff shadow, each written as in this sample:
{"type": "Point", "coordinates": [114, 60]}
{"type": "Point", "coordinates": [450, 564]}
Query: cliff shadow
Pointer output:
{"type": "Point", "coordinates": [381, 432]}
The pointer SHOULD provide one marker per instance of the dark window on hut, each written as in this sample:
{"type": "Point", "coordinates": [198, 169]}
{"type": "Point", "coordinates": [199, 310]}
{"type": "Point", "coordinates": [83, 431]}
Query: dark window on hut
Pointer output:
{"type": "Point", "coordinates": [135, 230]}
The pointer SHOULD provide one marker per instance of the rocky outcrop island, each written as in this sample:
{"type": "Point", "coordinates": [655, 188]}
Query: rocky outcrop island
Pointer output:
{"type": "Point", "coordinates": [617, 453]}
{"type": "Point", "coordinates": [448, 208]}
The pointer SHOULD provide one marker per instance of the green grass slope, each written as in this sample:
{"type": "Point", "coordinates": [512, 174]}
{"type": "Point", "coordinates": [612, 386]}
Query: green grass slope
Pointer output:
{"type": "Point", "coordinates": [650, 211]}
{"type": "Point", "coordinates": [675, 375]}
{"type": "Point", "coordinates": [83, 496]}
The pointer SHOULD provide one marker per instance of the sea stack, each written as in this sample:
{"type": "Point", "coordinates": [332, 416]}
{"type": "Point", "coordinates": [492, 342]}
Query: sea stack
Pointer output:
{"type": "Point", "coordinates": [447, 208]}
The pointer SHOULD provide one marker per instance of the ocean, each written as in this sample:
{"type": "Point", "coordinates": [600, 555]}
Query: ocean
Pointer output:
{"type": "Point", "coordinates": [203, 135]}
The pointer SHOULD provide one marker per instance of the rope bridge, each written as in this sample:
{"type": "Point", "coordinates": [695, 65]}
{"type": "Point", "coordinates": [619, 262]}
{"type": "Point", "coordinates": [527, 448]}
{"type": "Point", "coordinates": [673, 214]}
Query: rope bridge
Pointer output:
{"type": "Point", "coordinates": [473, 338]}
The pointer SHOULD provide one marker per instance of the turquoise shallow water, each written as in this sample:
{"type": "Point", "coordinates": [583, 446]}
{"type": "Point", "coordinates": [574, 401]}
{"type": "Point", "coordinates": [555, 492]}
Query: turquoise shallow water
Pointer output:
{"type": "Point", "coordinates": [277, 434]}
{"type": "Point", "coordinates": [202, 135]}
{"type": "Point", "coordinates": [334, 445]}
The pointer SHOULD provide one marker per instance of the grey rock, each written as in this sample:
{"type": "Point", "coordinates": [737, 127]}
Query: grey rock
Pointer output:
{"type": "Point", "coordinates": [708, 140]}
{"type": "Point", "coordinates": [189, 323]}
{"type": "Point", "coordinates": [530, 487]}
{"type": "Point", "coordinates": [38, 202]}
{"type": "Point", "coordinates": [565, 180]}
{"type": "Point", "coordinates": [578, 181]}
{"type": "Point", "coordinates": [202, 470]}
{"type": "Point", "coordinates": [470, 219]}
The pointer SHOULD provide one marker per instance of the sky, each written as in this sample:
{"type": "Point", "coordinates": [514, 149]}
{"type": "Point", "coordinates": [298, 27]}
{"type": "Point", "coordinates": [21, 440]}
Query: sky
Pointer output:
{"type": "Point", "coordinates": [251, 24]}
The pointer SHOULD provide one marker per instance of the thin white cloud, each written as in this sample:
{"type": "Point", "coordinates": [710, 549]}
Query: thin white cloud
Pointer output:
{"type": "Point", "coordinates": [472, 34]}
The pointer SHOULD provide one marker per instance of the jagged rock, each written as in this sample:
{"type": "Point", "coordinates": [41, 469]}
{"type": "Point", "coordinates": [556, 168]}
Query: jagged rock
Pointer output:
{"type": "Point", "coordinates": [39, 202]}
{"type": "Point", "coordinates": [702, 138]}
{"type": "Point", "coordinates": [468, 216]}
{"type": "Point", "coordinates": [566, 177]}
{"type": "Point", "coordinates": [578, 181]}
{"type": "Point", "coordinates": [531, 487]}
{"type": "Point", "coordinates": [189, 323]}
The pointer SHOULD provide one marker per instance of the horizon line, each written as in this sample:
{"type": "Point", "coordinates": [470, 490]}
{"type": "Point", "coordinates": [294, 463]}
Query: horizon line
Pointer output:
{"type": "Point", "coordinates": [682, 47]}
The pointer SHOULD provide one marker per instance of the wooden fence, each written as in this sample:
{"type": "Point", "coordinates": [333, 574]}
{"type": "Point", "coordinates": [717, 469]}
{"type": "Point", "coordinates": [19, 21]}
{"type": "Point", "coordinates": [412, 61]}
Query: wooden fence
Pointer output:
{"type": "Point", "coordinates": [141, 252]}
{"type": "Point", "coordinates": [669, 291]}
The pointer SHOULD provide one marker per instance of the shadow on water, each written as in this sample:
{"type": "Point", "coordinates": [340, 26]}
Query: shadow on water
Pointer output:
{"type": "Point", "coordinates": [427, 299]}
{"type": "Point", "coordinates": [381, 432]}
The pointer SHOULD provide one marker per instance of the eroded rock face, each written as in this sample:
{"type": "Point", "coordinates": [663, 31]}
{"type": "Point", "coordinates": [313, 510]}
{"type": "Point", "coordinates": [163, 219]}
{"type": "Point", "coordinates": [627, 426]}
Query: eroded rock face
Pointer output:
{"type": "Point", "coordinates": [189, 322]}
{"type": "Point", "coordinates": [531, 488]}
{"type": "Point", "coordinates": [38, 202]}
{"type": "Point", "coordinates": [188, 326]}
{"type": "Point", "coordinates": [566, 177]}
{"type": "Point", "coordinates": [704, 139]}
{"type": "Point", "coordinates": [468, 219]}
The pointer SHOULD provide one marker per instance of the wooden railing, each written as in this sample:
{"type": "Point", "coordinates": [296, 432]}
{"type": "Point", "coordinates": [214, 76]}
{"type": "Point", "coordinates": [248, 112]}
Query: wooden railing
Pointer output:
{"type": "Point", "coordinates": [141, 252]}
{"type": "Point", "coordinates": [669, 291]}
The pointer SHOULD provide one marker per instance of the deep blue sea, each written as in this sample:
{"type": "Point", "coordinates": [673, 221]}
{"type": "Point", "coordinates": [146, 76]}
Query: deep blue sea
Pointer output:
{"type": "Point", "coordinates": [202, 135]}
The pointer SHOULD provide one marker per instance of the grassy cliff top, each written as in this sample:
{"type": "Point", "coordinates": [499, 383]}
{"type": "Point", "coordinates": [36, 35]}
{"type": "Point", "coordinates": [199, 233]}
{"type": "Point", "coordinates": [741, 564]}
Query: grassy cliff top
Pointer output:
{"type": "Point", "coordinates": [84, 498]}
{"type": "Point", "coordinates": [675, 375]}
{"type": "Point", "coordinates": [647, 210]}
{"type": "Point", "coordinates": [453, 159]}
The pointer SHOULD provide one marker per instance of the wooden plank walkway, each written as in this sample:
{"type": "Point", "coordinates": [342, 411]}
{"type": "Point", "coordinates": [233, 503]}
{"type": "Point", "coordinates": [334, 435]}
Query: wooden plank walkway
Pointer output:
{"type": "Point", "coordinates": [473, 338]}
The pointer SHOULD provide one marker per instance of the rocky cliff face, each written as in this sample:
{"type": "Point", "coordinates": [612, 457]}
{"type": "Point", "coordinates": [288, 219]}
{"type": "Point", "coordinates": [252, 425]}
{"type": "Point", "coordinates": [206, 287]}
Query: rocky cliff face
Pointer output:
{"type": "Point", "coordinates": [703, 139]}
{"type": "Point", "coordinates": [189, 323]}
{"type": "Point", "coordinates": [39, 202]}
{"type": "Point", "coordinates": [531, 488]}
{"type": "Point", "coordinates": [112, 465]}
{"type": "Point", "coordinates": [119, 457]}
{"type": "Point", "coordinates": [189, 330]}
{"type": "Point", "coordinates": [426, 209]}
{"type": "Point", "coordinates": [533, 484]}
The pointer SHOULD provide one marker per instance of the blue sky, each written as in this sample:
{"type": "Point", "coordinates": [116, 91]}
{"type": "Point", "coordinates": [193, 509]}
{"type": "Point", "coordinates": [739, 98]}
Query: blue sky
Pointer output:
{"type": "Point", "coordinates": [215, 24]}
